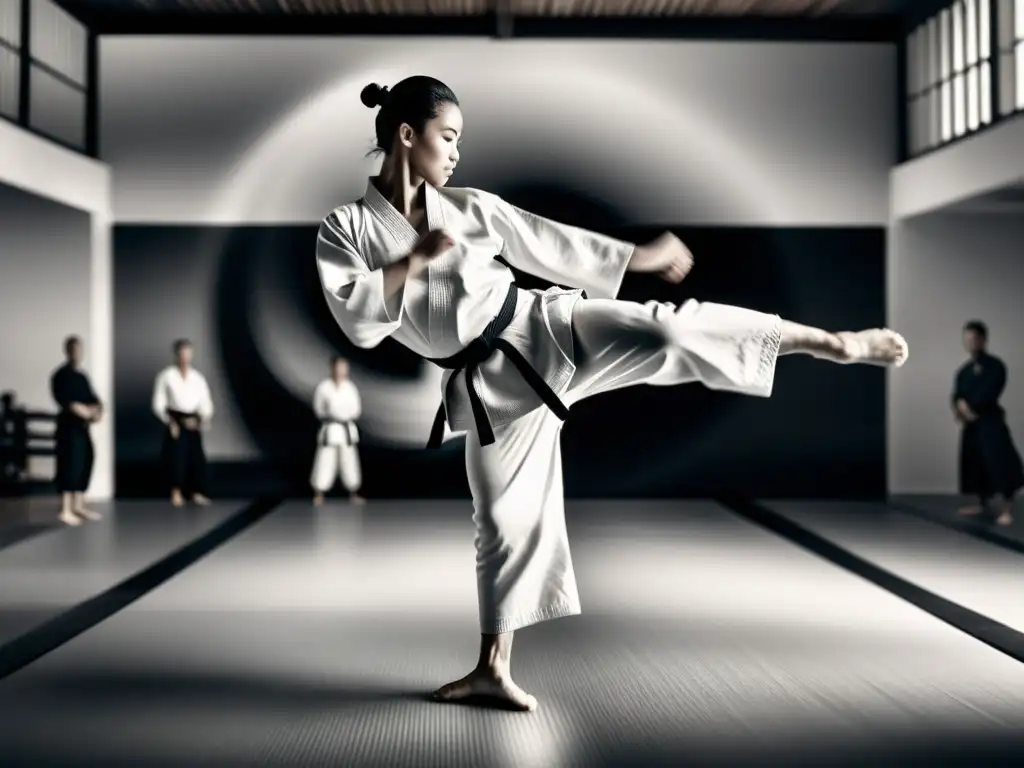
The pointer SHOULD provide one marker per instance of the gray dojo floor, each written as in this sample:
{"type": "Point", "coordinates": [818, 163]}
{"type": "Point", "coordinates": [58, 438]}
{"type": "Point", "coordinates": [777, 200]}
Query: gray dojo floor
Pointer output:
{"type": "Point", "coordinates": [313, 637]}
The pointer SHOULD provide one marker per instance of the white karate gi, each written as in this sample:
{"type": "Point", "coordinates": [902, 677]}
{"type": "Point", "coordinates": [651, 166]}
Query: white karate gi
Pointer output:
{"type": "Point", "coordinates": [338, 406]}
{"type": "Point", "coordinates": [184, 394]}
{"type": "Point", "coordinates": [580, 348]}
{"type": "Point", "coordinates": [174, 398]}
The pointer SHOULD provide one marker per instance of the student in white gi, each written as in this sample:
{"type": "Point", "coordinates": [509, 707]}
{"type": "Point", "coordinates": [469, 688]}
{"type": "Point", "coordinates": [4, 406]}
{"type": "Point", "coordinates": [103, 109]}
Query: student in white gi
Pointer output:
{"type": "Point", "coordinates": [414, 260]}
{"type": "Point", "coordinates": [336, 403]}
{"type": "Point", "coordinates": [182, 401]}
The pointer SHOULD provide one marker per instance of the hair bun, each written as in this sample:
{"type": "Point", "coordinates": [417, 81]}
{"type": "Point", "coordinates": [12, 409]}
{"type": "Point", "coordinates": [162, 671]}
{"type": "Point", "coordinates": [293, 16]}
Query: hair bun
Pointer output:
{"type": "Point", "coordinates": [374, 95]}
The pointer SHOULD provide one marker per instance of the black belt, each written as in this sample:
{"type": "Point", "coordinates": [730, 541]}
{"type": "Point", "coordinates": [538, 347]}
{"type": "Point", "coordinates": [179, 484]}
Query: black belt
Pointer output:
{"type": "Point", "coordinates": [479, 351]}
{"type": "Point", "coordinates": [179, 416]}
{"type": "Point", "coordinates": [345, 424]}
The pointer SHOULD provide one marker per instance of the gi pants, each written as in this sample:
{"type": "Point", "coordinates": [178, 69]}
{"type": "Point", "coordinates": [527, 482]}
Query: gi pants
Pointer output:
{"type": "Point", "coordinates": [74, 455]}
{"type": "Point", "coordinates": [332, 460]}
{"type": "Point", "coordinates": [524, 568]}
{"type": "Point", "coordinates": [185, 460]}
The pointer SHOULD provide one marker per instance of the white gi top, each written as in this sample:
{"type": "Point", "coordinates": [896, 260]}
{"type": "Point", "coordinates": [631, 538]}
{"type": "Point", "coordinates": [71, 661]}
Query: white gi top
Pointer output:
{"type": "Point", "coordinates": [438, 313]}
{"type": "Point", "coordinates": [340, 403]}
{"type": "Point", "coordinates": [188, 394]}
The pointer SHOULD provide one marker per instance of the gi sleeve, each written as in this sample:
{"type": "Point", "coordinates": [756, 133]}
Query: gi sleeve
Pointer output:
{"type": "Point", "coordinates": [357, 403]}
{"type": "Point", "coordinates": [205, 408]}
{"type": "Point", "coordinates": [320, 404]}
{"type": "Point", "coordinates": [558, 252]}
{"type": "Point", "coordinates": [159, 404]}
{"type": "Point", "coordinates": [354, 293]}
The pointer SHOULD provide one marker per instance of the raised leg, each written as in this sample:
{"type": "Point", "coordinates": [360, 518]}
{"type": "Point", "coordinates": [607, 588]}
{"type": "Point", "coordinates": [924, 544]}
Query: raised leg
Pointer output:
{"type": "Point", "coordinates": [878, 346]}
{"type": "Point", "coordinates": [620, 344]}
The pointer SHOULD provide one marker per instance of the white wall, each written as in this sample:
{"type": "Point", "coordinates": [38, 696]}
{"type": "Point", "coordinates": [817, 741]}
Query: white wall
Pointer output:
{"type": "Point", "coordinates": [944, 269]}
{"type": "Point", "coordinates": [271, 130]}
{"type": "Point", "coordinates": [971, 167]}
{"type": "Point", "coordinates": [42, 168]}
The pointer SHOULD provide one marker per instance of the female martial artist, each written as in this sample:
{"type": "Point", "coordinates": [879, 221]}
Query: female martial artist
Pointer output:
{"type": "Point", "coordinates": [414, 260]}
{"type": "Point", "coordinates": [337, 405]}
{"type": "Point", "coordinates": [79, 407]}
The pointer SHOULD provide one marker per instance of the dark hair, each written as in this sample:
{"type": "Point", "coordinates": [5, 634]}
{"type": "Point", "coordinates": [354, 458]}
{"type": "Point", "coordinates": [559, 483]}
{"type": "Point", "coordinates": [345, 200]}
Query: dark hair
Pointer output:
{"type": "Point", "coordinates": [69, 342]}
{"type": "Point", "coordinates": [180, 344]}
{"type": "Point", "coordinates": [415, 100]}
{"type": "Point", "coordinates": [978, 327]}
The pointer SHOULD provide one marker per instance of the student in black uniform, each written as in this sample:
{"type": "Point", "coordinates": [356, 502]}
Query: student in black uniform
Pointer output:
{"type": "Point", "coordinates": [989, 463]}
{"type": "Point", "coordinates": [79, 408]}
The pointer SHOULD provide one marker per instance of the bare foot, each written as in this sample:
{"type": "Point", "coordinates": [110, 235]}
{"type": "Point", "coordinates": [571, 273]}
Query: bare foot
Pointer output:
{"type": "Point", "coordinates": [68, 518]}
{"type": "Point", "coordinates": [970, 511]}
{"type": "Point", "coordinates": [177, 500]}
{"type": "Point", "coordinates": [1005, 518]}
{"type": "Point", "coordinates": [487, 685]}
{"type": "Point", "coordinates": [318, 500]}
{"type": "Point", "coordinates": [877, 346]}
{"type": "Point", "coordinates": [356, 499]}
{"type": "Point", "coordinates": [199, 500]}
{"type": "Point", "coordinates": [88, 514]}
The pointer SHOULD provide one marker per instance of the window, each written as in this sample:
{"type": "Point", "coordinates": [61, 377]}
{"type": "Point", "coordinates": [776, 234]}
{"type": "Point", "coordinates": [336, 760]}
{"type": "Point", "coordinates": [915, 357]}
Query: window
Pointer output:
{"type": "Point", "coordinates": [10, 82]}
{"type": "Point", "coordinates": [924, 87]}
{"type": "Point", "coordinates": [1010, 26]}
{"type": "Point", "coordinates": [10, 24]}
{"type": "Point", "coordinates": [57, 77]}
{"type": "Point", "coordinates": [10, 57]}
{"type": "Point", "coordinates": [949, 74]}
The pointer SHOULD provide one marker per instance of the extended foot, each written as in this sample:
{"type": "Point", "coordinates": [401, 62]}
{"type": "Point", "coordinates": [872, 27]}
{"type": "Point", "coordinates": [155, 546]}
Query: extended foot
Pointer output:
{"type": "Point", "coordinates": [972, 510]}
{"type": "Point", "coordinates": [490, 687]}
{"type": "Point", "coordinates": [88, 514]}
{"type": "Point", "coordinates": [68, 517]}
{"type": "Point", "coordinates": [318, 500]}
{"type": "Point", "coordinates": [356, 499]}
{"type": "Point", "coordinates": [877, 346]}
{"type": "Point", "coordinates": [200, 501]}
{"type": "Point", "coordinates": [176, 499]}
{"type": "Point", "coordinates": [1005, 518]}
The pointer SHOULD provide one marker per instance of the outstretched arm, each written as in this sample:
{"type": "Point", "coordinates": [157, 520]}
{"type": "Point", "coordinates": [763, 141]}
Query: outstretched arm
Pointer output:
{"type": "Point", "coordinates": [558, 252]}
{"type": "Point", "coordinates": [572, 256]}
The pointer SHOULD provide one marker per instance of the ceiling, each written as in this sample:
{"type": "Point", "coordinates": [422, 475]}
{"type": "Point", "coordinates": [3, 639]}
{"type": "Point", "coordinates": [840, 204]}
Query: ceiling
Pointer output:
{"type": "Point", "coordinates": [541, 8]}
{"type": "Point", "coordinates": [756, 19]}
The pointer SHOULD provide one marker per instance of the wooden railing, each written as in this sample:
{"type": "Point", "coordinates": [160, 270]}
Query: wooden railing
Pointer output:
{"type": "Point", "coordinates": [24, 434]}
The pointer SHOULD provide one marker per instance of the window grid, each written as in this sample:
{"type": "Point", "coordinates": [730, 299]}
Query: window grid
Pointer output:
{"type": "Point", "coordinates": [1010, 21]}
{"type": "Point", "coordinates": [45, 75]}
{"type": "Point", "coordinates": [949, 74]}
